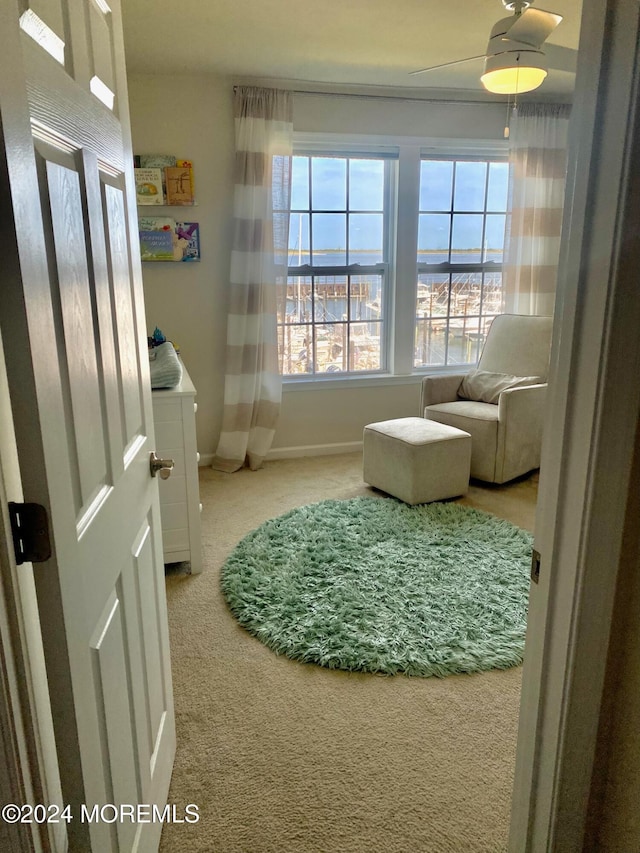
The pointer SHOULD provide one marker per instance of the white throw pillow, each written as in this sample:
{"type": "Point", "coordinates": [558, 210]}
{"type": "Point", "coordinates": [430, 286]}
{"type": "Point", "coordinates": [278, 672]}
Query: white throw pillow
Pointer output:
{"type": "Point", "coordinates": [485, 387]}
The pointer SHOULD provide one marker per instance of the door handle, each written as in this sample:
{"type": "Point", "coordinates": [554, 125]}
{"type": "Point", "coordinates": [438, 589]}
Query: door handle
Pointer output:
{"type": "Point", "coordinates": [160, 466]}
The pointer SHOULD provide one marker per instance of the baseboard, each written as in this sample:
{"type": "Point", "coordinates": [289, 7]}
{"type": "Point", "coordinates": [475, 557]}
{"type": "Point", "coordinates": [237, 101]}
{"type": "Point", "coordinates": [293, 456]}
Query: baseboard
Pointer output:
{"type": "Point", "coordinates": [314, 450]}
{"type": "Point", "coordinates": [298, 452]}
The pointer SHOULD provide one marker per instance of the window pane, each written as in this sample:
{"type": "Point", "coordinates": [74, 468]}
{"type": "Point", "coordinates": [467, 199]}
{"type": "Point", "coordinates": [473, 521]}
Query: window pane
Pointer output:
{"type": "Point", "coordinates": [430, 342]}
{"type": "Point", "coordinates": [300, 183]}
{"type": "Point", "coordinates": [433, 238]}
{"type": "Point", "coordinates": [433, 295]}
{"type": "Point", "coordinates": [436, 177]}
{"type": "Point", "coordinates": [494, 237]}
{"type": "Point", "coordinates": [299, 239]}
{"type": "Point", "coordinates": [329, 239]}
{"type": "Point", "coordinates": [466, 238]}
{"type": "Point", "coordinates": [493, 297]}
{"type": "Point", "coordinates": [463, 340]}
{"type": "Point", "coordinates": [294, 340]}
{"type": "Point", "coordinates": [365, 238]}
{"type": "Point", "coordinates": [365, 341]}
{"type": "Point", "coordinates": [498, 186]}
{"type": "Point", "coordinates": [366, 184]}
{"type": "Point", "coordinates": [298, 306]}
{"type": "Point", "coordinates": [466, 295]}
{"type": "Point", "coordinates": [365, 297]}
{"type": "Point", "coordinates": [330, 299]}
{"type": "Point", "coordinates": [281, 301]}
{"type": "Point", "coordinates": [329, 183]}
{"type": "Point", "coordinates": [470, 186]}
{"type": "Point", "coordinates": [331, 348]}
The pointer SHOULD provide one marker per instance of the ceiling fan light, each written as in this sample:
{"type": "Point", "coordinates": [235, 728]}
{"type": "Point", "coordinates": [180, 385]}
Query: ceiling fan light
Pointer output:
{"type": "Point", "coordinates": [513, 73]}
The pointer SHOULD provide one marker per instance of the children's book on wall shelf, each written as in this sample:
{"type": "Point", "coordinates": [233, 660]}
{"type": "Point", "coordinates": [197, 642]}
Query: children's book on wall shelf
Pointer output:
{"type": "Point", "coordinates": [156, 161]}
{"type": "Point", "coordinates": [164, 239]}
{"type": "Point", "coordinates": [176, 180]}
{"type": "Point", "coordinates": [149, 186]}
{"type": "Point", "coordinates": [189, 232]}
{"type": "Point", "coordinates": [179, 184]}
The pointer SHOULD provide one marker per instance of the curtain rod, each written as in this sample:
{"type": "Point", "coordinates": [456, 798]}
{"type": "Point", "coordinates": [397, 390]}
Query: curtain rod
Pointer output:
{"type": "Point", "coordinates": [366, 96]}
{"type": "Point", "coordinates": [409, 99]}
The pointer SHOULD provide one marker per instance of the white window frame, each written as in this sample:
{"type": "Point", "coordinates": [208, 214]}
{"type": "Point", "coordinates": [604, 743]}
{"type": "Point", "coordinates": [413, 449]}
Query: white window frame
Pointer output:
{"type": "Point", "coordinates": [450, 269]}
{"type": "Point", "coordinates": [384, 268]}
{"type": "Point", "coordinates": [401, 286]}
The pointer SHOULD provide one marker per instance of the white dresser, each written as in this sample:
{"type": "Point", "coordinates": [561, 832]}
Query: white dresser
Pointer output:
{"type": "Point", "coordinates": [175, 426]}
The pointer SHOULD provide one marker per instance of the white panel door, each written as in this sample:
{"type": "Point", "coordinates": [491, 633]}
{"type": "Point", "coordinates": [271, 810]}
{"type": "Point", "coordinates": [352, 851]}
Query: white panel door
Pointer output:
{"type": "Point", "coordinates": [73, 329]}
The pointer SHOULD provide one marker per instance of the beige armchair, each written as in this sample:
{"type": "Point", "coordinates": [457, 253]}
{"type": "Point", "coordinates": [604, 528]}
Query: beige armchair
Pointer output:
{"type": "Point", "coordinates": [502, 403]}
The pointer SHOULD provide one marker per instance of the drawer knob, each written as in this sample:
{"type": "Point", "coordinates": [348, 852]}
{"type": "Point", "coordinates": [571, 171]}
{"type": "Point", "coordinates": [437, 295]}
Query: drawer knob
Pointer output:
{"type": "Point", "coordinates": [163, 467]}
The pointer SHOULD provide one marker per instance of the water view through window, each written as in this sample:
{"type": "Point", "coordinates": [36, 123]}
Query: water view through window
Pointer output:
{"type": "Point", "coordinates": [461, 227]}
{"type": "Point", "coordinates": [331, 317]}
{"type": "Point", "coordinates": [332, 311]}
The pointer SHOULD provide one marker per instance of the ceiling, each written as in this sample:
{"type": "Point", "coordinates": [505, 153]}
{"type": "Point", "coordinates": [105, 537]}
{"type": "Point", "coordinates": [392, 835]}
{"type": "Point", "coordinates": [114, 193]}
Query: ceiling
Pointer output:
{"type": "Point", "coordinates": [337, 42]}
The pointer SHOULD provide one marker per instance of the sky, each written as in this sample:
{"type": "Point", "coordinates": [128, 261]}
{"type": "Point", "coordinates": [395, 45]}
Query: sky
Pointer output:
{"type": "Point", "coordinates": [330, 177]}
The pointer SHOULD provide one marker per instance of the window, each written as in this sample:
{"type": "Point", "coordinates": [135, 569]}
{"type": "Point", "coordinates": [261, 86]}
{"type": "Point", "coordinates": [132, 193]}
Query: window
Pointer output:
{"type": "Point", "coordinates": [332, 316]}
{"type": "Point", "coordinates": [395, 258]}
{"type": "Point", "coordinates": [461, 226]}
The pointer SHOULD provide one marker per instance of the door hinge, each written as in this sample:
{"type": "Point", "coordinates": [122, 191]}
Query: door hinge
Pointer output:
{"type": "Point", "coordinates": [535, 566]}
{"type": "Point", "coordinates": [30, 529]}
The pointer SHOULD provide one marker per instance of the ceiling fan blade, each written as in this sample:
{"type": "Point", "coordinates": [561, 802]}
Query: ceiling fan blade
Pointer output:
{"type": "Point", "coordinates": [561, 58]}
{"type": "Point", "coordinates": [533, 26]}
{"type": "Point", "coordinates": [448, 64]}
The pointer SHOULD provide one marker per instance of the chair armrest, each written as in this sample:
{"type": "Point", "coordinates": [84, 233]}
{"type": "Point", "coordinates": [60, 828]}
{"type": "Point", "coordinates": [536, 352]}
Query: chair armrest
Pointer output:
{"type": "Point", "coordinates": [521, 417]}
{"type": "Point", "coordinates": [439, 388]}
{"type": "Point", "coordinates": [522, 405]}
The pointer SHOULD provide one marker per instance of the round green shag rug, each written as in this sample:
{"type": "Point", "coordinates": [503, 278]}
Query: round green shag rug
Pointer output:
{"type": "Point", "coordinates": [375, 585]}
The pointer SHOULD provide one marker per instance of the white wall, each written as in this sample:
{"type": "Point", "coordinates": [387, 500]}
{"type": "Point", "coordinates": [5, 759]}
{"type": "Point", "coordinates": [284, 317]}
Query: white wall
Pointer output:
{"type": "Point", "coordinates": [385, 116]}
{"type": "Point", "coordinates": [191, 117]}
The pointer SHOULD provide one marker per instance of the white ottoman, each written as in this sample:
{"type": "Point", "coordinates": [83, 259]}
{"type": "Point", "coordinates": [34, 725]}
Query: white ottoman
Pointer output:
{"type": "Point", "coordinates": [417, 460]}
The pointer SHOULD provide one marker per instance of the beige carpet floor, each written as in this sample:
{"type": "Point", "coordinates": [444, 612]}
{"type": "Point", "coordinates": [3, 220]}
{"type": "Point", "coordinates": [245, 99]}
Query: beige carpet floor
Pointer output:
{"type": "Point", "coordinates": [285, 757]}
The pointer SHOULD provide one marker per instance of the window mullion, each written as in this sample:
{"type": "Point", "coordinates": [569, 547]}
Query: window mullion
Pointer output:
{"type": "Point", "coordinates": [405, 294]}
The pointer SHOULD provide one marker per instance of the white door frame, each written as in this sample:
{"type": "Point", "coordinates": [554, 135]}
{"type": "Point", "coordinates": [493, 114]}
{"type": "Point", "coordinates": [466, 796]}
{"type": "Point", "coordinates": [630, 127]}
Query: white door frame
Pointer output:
{"type": "Point", "coordinates": [15, 775]}
{"type": "Point", "coordinates": [30, 762]}
{"type": "Point", "coordinates": [589, 442]}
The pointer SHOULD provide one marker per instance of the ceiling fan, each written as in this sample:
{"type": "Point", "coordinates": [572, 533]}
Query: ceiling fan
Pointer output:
{"type": "Point", "coordinates": [515, 60]}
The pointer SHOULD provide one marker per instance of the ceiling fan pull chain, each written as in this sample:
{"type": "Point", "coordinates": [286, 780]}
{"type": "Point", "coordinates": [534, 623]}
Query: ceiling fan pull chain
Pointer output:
{"type": "Point", "coordinates": [506, 124]}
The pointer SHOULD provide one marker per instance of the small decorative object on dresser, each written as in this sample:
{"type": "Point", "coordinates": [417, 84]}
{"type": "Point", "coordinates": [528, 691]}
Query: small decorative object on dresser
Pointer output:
{"type": "Point", "coordinates": [175, 426]}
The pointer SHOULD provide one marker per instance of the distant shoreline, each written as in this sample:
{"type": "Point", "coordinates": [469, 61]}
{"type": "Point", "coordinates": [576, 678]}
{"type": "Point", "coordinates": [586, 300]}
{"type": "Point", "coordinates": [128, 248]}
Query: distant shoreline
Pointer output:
{"type": "Point", "coordinates": [361, 253]}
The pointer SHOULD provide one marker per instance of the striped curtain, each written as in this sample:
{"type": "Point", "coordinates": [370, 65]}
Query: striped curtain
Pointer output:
{"type": "Point", "coordinates": [538, 159]}
{"type": "Point", "coordinates": [253, 383]}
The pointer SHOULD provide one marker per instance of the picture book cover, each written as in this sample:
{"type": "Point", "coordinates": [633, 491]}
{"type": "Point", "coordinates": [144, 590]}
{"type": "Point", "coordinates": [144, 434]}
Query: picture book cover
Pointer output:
{"type": "Point", "coordinates": [187, 164]}
{"type": "Point", "coordinates": [156, 238]}
{"type": "Point", "coordinates": [156, 161]}
{"type": "Point", "coordinates": [178, 185]}
{"type": "Point", "coordinates": [149, 186]}
{"type": "Point", "coordinates": [188, 234]}
{"type": "Point", "coordinates": [164, 239]}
